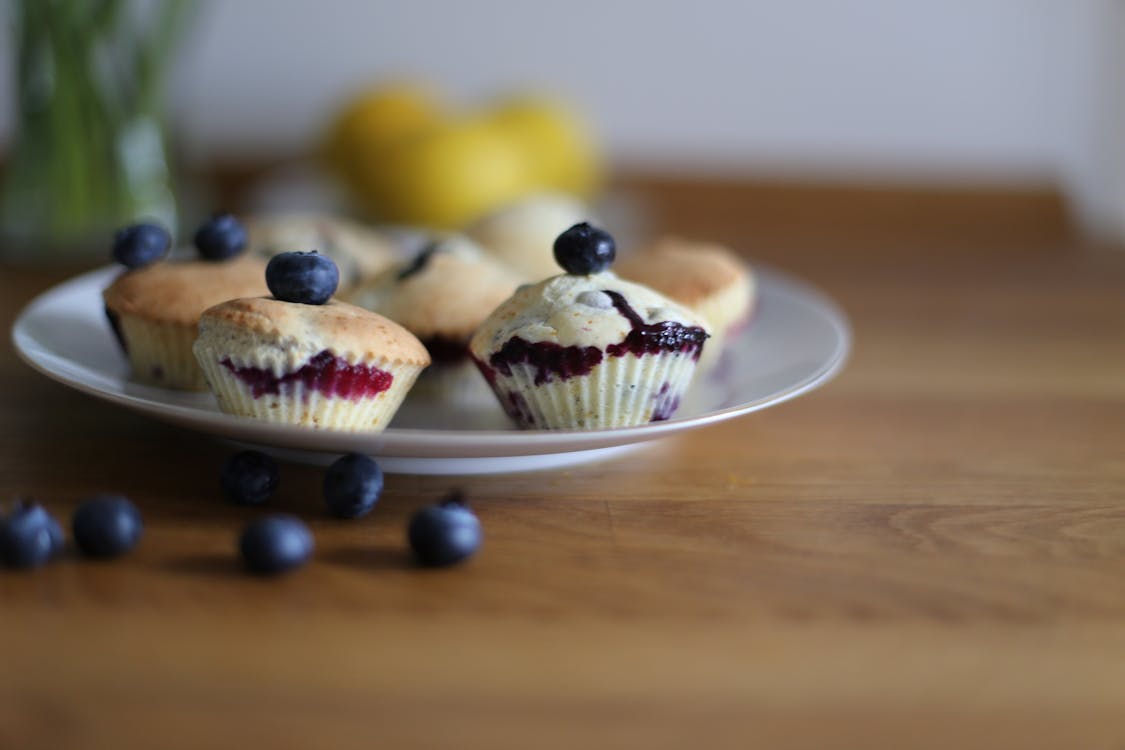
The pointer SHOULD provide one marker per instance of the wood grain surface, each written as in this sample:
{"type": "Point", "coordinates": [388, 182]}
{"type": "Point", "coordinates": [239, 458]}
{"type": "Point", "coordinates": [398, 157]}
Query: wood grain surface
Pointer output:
{"type": "Point", "coordinates": [929, 552]}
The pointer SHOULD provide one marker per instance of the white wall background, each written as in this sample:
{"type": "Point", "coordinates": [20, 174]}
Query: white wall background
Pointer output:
{"type": "Point", "coordinates": [959, 89]}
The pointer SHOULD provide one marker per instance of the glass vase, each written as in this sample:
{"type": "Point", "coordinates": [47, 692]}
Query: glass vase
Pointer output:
{"type": "Point", "coordinates": [90, 152]}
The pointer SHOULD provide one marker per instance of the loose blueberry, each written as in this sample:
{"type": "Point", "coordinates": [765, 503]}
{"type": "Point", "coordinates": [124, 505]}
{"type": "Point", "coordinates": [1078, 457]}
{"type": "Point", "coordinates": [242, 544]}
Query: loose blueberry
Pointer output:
{"type": "Point", "coordinates": [249, 478]}
{"type": "Point", "coordinates": [444, 534]}
{"type": "Point", "coordinates": [221, 237]}
{"type": "Point", "coordinates": [29, 536]}
{"type": "Point", "coordinates": [138, 245]}
{"type": "Point", "coordinates": [308, 278]}
{"type": "Point", "coordinates": [584, 249]}
{"type": "Point", "coordinates": [106, 526]}
{"type": "Point", "coordinates": [275, 544]}
{"type": "Point", "coordinates": [352, 486]}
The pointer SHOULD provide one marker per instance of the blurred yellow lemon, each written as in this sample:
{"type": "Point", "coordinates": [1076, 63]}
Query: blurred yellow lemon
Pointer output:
{"type": "Point", "coordinates": [450, 175]}
{"type": "Point", "coordinates": [376, 121]}
{"type": "Point", "coordinates": [406, 159]}
{"type": "Point", "coordinates": [555, 142]}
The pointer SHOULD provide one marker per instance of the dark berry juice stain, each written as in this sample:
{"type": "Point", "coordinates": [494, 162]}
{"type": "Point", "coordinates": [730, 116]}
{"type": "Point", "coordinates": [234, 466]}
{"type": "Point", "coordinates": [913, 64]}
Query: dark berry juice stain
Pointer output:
{"type": "Point", "coordinates": [549, 360]}
{"type": "Point", "coordinates": [654, 338]}
{"type": "Point", "coordinates": [115, 324]}
{"type": "Point", "coordinates": [420, 261]}
{"type": "Point", "coordinates": [666, 403]}
{"type": "Point", "coordinates": [446, 351]}
{"type": "Point", "coordinates": [325, 373]}
{"type": "Point", "coordinates": [515, 406]}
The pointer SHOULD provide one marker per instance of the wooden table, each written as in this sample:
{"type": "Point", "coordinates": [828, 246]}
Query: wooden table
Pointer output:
{"type": "Point", "coordinates": [928, 553]}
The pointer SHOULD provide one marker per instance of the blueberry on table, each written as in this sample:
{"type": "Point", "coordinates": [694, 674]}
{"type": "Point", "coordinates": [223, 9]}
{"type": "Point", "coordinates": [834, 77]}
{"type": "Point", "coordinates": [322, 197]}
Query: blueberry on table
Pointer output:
{"type": "Point", "coordinates": [106, 526]}
{"type": "Point", "coordinates": [445, 533]}
{"type": "Point", "coordinates": [275, 544]}
{"type": "Point", "coordinates": [352, 486]}
{"type": "Point", "coordinates": [249, 478]}
{"type": "Point", "coordinates": [309, 278]}
{"type": "Point", "coordinates": [139, 245]}
{"type": "Point", "coordinates": [29, 536]}
{"type": "Point", "coordinates": [585, 249]}
{"type": "Point", "coordinates": [221, 237]}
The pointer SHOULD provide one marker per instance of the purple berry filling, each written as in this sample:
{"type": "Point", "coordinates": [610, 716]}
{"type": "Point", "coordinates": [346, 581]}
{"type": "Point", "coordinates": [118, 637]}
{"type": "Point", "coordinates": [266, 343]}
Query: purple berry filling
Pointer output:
{"type": "Point", "coordinates": [548, 359]}
{"type": "Point", "coordinates": [325, 372]}
{"type": "Point", "coordinates": [654, 338]}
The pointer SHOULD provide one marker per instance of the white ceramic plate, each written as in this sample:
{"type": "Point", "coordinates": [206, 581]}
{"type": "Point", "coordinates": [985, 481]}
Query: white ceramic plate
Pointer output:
{"type": "Point", "coordinates": [797, 340]}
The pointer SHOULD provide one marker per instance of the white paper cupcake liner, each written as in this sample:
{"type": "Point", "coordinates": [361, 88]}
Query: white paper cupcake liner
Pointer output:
{"type": "Point", "coordinates": [295, 402]}
{"type": "Point", "coordinates": [160, 353]}
{"type": "Point", "coordinates": [619, 392]}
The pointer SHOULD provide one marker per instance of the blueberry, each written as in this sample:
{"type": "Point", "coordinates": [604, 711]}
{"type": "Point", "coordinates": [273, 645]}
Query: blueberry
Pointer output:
{"type": "Point", "coordinates": [249, 478]}
{"type": "Point", "coordinates": [583, 250]}
{"type": "Point", "coordinates": [221, 237]}
{"type": "Point", "coordinates": [308, 278]}
{"type": "Point", "coordinates": [275, 544]}
{"type": "Point", "coordinates": [106, 526]}
{"type": "Point", "coordinates": [138, 245]}
{"type": "Point", "coordinates": [29, 536]}
{"type": "Point", "coordinates": [444, 534]}
{"type": "Point", "coordinates": [352, 486]}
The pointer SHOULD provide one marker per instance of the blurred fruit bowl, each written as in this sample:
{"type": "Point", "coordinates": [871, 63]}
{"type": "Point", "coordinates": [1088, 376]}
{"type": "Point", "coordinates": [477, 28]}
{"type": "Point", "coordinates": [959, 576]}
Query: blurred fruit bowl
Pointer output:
{"type": "Point", "coordinates": [407, 158]}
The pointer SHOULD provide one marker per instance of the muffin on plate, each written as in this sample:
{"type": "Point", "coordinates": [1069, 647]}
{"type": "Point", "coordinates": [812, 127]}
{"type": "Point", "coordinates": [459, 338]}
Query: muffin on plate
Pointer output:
{"type": "Point", "coordinates": [359, 252]}
{"type": "Point", "coordinates": [586, 349]}
{"type": "Point", "coordinates": [522, 234]}
{"type": "Point", "coordinates": [300, 358]}
{"type": "Point", "coordinates": [154, 312]}
{"type": "Point", "coordinates": [441, 296]}
{"type": "Point", "coordinates": [707, 278]}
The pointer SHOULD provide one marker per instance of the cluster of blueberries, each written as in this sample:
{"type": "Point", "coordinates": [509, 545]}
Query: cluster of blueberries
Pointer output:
{"type": "Point", "coordinates": [107, 526]}
{"type": "Point", "coordinates": [439, 535]}
{"type": "Point", "coordinates": [104, 526]}
{"type": "Point", "coordinates": [219, 238]}
{"type": "Point", "coordinates": [305, 277]}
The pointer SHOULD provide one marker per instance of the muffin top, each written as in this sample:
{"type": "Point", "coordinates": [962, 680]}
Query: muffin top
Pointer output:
{"type": "Point", "coordinates": [522, 235]}
{"type": "Point", "coordinates": [446, 291]}
{"type": "Point", "coordinates": [598, 310]}
{"type": "Point", "coordinates": [686, 271]}
{"type": "Point", "coordinates": [346, 330]}
{"type": "Point", "coordinates": [358, 251]}
{"type": "Point", "coordinates": [178, 292]}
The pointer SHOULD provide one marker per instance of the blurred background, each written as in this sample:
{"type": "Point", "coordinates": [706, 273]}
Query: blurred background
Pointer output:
{"type": "Point", "coordinates": [998, 93]}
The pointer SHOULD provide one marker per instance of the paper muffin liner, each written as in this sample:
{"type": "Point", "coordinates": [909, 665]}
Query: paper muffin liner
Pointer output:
{"type": "Point", "coordinates": [298, 403]}
{"type": "Point", "coordinates": [620, 391]}
{"type": "Point", "coordinates": [160, 353]}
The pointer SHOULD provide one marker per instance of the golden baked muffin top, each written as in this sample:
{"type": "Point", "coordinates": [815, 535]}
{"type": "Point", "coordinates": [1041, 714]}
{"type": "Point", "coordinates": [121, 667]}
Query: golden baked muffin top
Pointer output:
{"type": "Point", "coordinates": [447, 290]}
{"type": "Point", "coordinates": [179, 291]}
{"type": "Point", "coordinates": [685, 270]}
{"type": "Point", "coordinates": [337, 326]}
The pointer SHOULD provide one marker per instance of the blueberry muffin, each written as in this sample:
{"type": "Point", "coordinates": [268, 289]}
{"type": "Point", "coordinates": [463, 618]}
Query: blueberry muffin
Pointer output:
{"type": "Point", "coordinates": [154, 312]}
{"type": "Point", "coordinates": [586, 349]}
{"type": "Point", "coordinates": [441, 296]}
{"type": "Point", "coordinates": [297, 359]}
{"type": "Point", "coordinates": [522, 235]}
